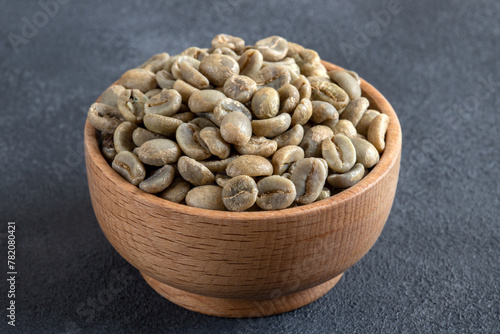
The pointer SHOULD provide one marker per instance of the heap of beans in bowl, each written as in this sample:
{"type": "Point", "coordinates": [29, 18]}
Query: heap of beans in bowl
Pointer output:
{"type": "Point", "coordinates": [239, 127]}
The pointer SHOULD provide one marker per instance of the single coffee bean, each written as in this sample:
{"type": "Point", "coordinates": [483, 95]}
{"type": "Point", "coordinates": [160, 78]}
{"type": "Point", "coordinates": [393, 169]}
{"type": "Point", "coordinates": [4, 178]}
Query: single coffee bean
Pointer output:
{"type": "Point", "coordinates": [251, 165]}
{"type": "Point", "coordinates": [225, 51]}
{"type": "Point", "coordinates": [138, 78]}
{"type": "Point", "coordinates": [158, 152]}
{"type": "Point", "coordinates": [218, 166]}
{"type": "Point", "coordinates": [110, 95]}
{"type": "Point", "coordinates": [302, 112]}
{"type": "Point", "coordinates": [313, 138]}
{"type": "Point", "coordinates": [366, 153]}
{"type": "Point", "coordinates": [159, 180]}
{"type": "Point", "coordinates": [185, 116]}
{"type": "Point", "coordinates": [339, 153]}
{"type": "Point", "coordinates": [131, 104]}
{"type": "Point", "coordinates": [167, 103]}
{"type": "Point", "coordinates": [234, 43]}
{"type": "Point", "coordinates": [185, 89]}
{"type": "Point", "coordinates": [176, 66]}
{"type": "Point", "coordinates": [222, 179]}
{"type": "Point", "coordinates": [240, 88]}
{"type": "Point", "coordinates": [195, 52]}
{"type": "Point", "coordinates": [274, 76]}
{"type": "Point", "coordinates": [218, 68]}
{"type": "Point", "coordinates": [289, 98]}
{"type": "Point", "coordinates": [291, 137]}
{"type": "Point", "coordinates": [305, 56]}
{"type": "Point", "coordinates": [275, 193]}
{"type": "Point", "coordinates": [347, 82]}
{"type": "Point", "coordinates": [355, 76]}
{"type": "Point", "coordinates": [156, 62]}
{"type": "Point", "coordinates": [165, 79]}
{"type": "Point", "coordinates": [206, 197]}
{"type": "Point", "coordinates": [355, 110]}
{"type": "Point", "coordinates": [377, 130]}
{"type": "Point", "coordinates": [266, 103]}
{"type": "Point", "coordinates": [365, 121]}
{"type": "Point", "coordinates": [186, 138]}
{"type": "Point", "coordinates": [303, 86]}
{"type": "Point", "coordinates": [176, 191]}
{"type": "Point", "coordinates": [331, 93]}
{"type": "Point", "coordinates": [250, 62]}
{"type": "Point", "coordinates": [346, 180]}
{"type": "Point", "coordinates": [213, 140]}
{"type": "Point", "coordinates": [192, 76]}
{"type": "Point", "coordinates": [293, 49]}
{"type": "Point", "coordinates": [108, 148]}
{"type": "Point", "coordinates": [236, 128]}
{"type": "Point", "coordinates": [153, 92]}
{"type": "Point", "coordinates": [323, 111]}
{"type": "Point", "coordinates": [239, 193]}
{"type": "Point", "coordinates": [122, 137]}
{"type": "Point", "coordinates": [309, 178]}
{"type": "Point", "coordinates": [203, 122]}
{"type": "Point", "coordinates": [227, 105]}
{"type": "Point", "coordinates": [273, 48]}
{"type": "Point", "coordinates": [345, 127]}
{"type": "Point", "coordinates": [271, 127]}
{"type": "Point", "coordinates": [194, 172]}
{"type": "Point", "coordinates": [163, 125]}
{"type": "Point", "coordinates": [140, 136]}
{"type": "Point", "coordinates": [258, 146]}
{"type": "Point", "coordinates": [204, 100]}
{"type": "Point", "coordinates": [129, 167]}
{"type": "Point", "coordinates": [104, 118]}
{"type": "Point", "coordinates": [324, 194]}
{"type": "Point", "coordinates": [284, 157]}
{"type": "Point", "coordinates": [287, 62]}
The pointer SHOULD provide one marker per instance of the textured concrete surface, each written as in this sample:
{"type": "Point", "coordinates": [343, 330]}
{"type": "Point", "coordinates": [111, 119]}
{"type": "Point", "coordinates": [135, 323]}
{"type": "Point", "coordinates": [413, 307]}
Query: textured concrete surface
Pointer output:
{"type": "Point", "coordinates": [435, 268]}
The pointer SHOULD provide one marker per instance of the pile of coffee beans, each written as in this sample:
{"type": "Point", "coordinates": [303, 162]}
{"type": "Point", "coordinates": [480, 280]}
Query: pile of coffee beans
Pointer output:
{"type": "Point", "coordinates": [239, 127]}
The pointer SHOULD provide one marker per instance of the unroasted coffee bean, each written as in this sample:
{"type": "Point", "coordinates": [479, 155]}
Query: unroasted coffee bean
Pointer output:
{"type": "Point", "coordinates": [185, 89]}
{"type": "Point", "coordinates": [339, 153]}
{"type": "Point", "coordinates": [251, 165]}
{"type": "Point", "coordinates": [366, 153]}
{"type": "Point", "coordinates": [311, 143]}
{"type": "Point", "coordinates": [274, 76]}
{"type": "Point", "coordinates": [291, 137]}
{"type": "Point", "coordinates": [236, 128]}
{"type": "Point", "coordinates": [345, 127]}
{"type": "Point", "coordinates": [234, 43]}
{"type": "Point", "coordinates": [129, 167]}
{"type": "Point", "coordinates": [240, 88]}
{"type": "Point", "coordinates": [365, 121]}
{"type": "Point", "coordinates": [216, 145]}
{"type": "Point", "coordinates": [191, 75]}
{"type": "Point", "coordinates": [159, 180]}
{"type": "Point", "coordinates": [159, 152]}
{"type": "Point", "coordinates": [222, 179]}
{"type": "Point", "coordinates": [165, 79]}
{"type": "Point", "coordinates": [218, 68]}
{"type": "Point", "coordinates": [153, 92]}
{"type": "Point", "coordinates": [104, 118]}
{"type": "Point", "coordinates": [167, 103]}
{"type": "Point", "coordinates": [131, 104]}
{"type": "Point", "coordinates": [185, 116]}
{"type": "Point", "coordinates": [376, 131]}
{"type": "Point", "coordinates": [271, 127]}
{"type": "Point", "coordinates": [348, 179]}
{"type": "Point", "coordinates": [302, 112]}
{"type": "Point", "coordinates": [122, 137]}
{"type": "Point", "coordinates": [309, 178]}
{"type": "Point", "coordinates": [239, 193]}
{"type": "Point", "coordinates": [227, 105]}
{"type": "Point", "coordinates": [206, 197]}
{"type": "Point", "coordinates": [140, 136]}
{"type": "Point", "coordinates": [323, 111]}
{"type": "Point", "coordinates": [194, 172]}
{"type": "Point", "coordinates": [258, 146]}
{"type": "Point", "coordinates": [156, 62]}
{"type": "Point", "coordinates": [225, 51]}
{"type": "Point", "coordinates": [284, 157]}
{"type": "Point", "coordinates": [176, 191]}
{"type": "Point", "coordinates": [324, 194]}
{"type": "Point", "coordinates": [204, 100]}
{"type": "Point", "coordinates": [110, 95]}
{"type": "Point", "coordinates": [275, 193]}
{"type": "Point", "coordinates": [273, 48]}
{"type": "Point", "coordinates": [108, 148]}
{"type": "Point", "coordinates": [331, 93]}
{"type": "Point", "coordinates": [289, 98]}
{"type": "Point", "coordinates": [355, 110]}
{"type": "Point", "coordinates": [303, 86]}
{"type": "Point", "coordinates": [347, 82]}
{"type": "Point", "coordinates": [162, 125]}
{"type": "Point", "coordinates": [186, 139]}
{"type": "Point", "coordinates": [218, 166]}
{"type": "Point", "coordinates": [138, 78]}
{"type": "Point", "coordinates": [250, 62]}
{"type": "Point", "coordinates": [195, 52]}
{"type": "Point", "coordinates": [176, 66]}
{"type": "Point", "coordinates": [266, 103]}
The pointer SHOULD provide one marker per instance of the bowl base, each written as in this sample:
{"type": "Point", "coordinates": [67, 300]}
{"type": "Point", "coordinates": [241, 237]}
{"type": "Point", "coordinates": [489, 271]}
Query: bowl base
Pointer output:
{"type": "Point", "coordinates": [240, 308]}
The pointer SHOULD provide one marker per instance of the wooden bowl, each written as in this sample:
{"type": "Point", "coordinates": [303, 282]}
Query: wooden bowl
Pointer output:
{"type": "Point", "coordinates": [245, 264]}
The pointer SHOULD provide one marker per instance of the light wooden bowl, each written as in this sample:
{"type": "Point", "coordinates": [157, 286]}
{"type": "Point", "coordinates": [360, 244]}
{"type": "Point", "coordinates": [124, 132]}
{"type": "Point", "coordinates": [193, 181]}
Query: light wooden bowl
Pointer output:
{"type": "Point", "coordinates": [245, 264]}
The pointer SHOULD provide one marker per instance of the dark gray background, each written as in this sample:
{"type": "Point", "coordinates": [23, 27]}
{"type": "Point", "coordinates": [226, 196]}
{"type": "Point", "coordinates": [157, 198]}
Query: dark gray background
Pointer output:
{"type": "Point", "coordinates": [436, 265]}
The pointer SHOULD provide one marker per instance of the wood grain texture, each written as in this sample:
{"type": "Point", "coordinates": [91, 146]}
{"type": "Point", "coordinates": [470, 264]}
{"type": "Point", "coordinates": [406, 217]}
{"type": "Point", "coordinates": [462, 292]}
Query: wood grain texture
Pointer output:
{"type": "Point", "coordinates": [251, 256]}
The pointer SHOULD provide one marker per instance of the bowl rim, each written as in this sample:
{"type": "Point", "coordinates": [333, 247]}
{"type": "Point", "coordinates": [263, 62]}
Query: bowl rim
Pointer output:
{"type": "Point", "coordinates": [388, 159]}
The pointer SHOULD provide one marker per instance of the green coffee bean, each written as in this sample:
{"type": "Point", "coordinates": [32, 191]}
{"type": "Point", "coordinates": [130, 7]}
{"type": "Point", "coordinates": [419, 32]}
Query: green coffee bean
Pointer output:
{"type": "Point", "coordinates": [156, 62]}
{"type": "Point", "coordinates": [185, 89]}
{"type": "Point", "coordinates": [347, 82]}
{"type": "Point", "coordinates": [309, 178]}
{"type": "Point", "coordinates": [323, 111]}
{"type": "Point", "coordinates": [131, 104]}
{"type": "Point", "coordinates": [140, 136]}
{"type": "Point", "coordinates": [345, 127]}
{"type": "Point", "coordinates": [258, 146]}
{"type": "Point", "coordinates": [159, 152]}
{"type": "Point", "coordinates": [366, 153]}
{"type": "Point", "coordinates": [339, 153]}
{"type": "Point", "coordinates": [348, 179]}
{"type": "Point", "coordinates": [291, 137]}
{"type": "Point", "coordinates": [240, 88]}
{"type": "Point", "coordinates": [273, 76]}
{"type": "Point", "coordinates": [239, 193]}
{"type": "Point", "coordinates": [218, 166]}
{"type": "Point", "coordinates": [206, 197]}
{"type": "Point", "coordinates": [218, 68]}
{"type": "Point", "coordinates": [204, 100]}
{"type": "Point", "coordinates": [122, 137]}
{"type": "Point", "coordinates": [236, 128]}
{"type": "Point", "coordinates": [331, 93]}
{"type": "Point", "coordinates": [185, 136]}
{"type": "Point", "coordinates": [271, 127]}
{"type": "Point", "coordinates": [165, 79]}
{"type": "Point", "coordinates": [302, 112]}
{"type": "Point", "coordinates": [275, 193]}
{"type": "Point", "coordinates": [163, 125]}
{"type": "Point", "coordinates": [251, 165]}
{"type": "Point", "coordinates": [222, 179]}
{"type": "Point", "coordinates": [138, 78]}
{"type": "Point", "coordinates": [311, 143]}
{"type": "Point", "coordinates": [176, 191]}
{"type": "Point", "coordinates": [265, 103]}
{"type": "Point", "coordinates": [194, 172]}
{"type": "Point", "coordinates": [110, 95]}
{"type": "Point", "coordinates": [364, 122]}
{"type": "Point", "coordinates": [234, 43]}
{"type": "Point", "coordinates": [355, 110]}
{"type": "Point", "coordinates": [324, 194]}
{"type": "Point", "coordinates": [227, 105]}
{"type": "Point", "coordinates": [284, 157]}
{"type": "Point", "coordinates": [129, 167]}
{"type": "Point", "coordinates": [104, 118]}
{"type": "Point", "coordinates": [159, 180]}
{"type": "Point", "coordinates": [250, 62]}
{"type": "Point", "coordinates": [376, 131]}
{"type": "Point", "coordinates": [213, 140]}
{"type": "Point", "coordinates": [289, 98]}
{"type": "Point", "coordinates": [273, 48]}
{"type": "Point", "coordinates": [303, 86]}
{"type": "Point", "coordinates": [108, 148]}
{"type": "Point", "coordinates": [167, 103]}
